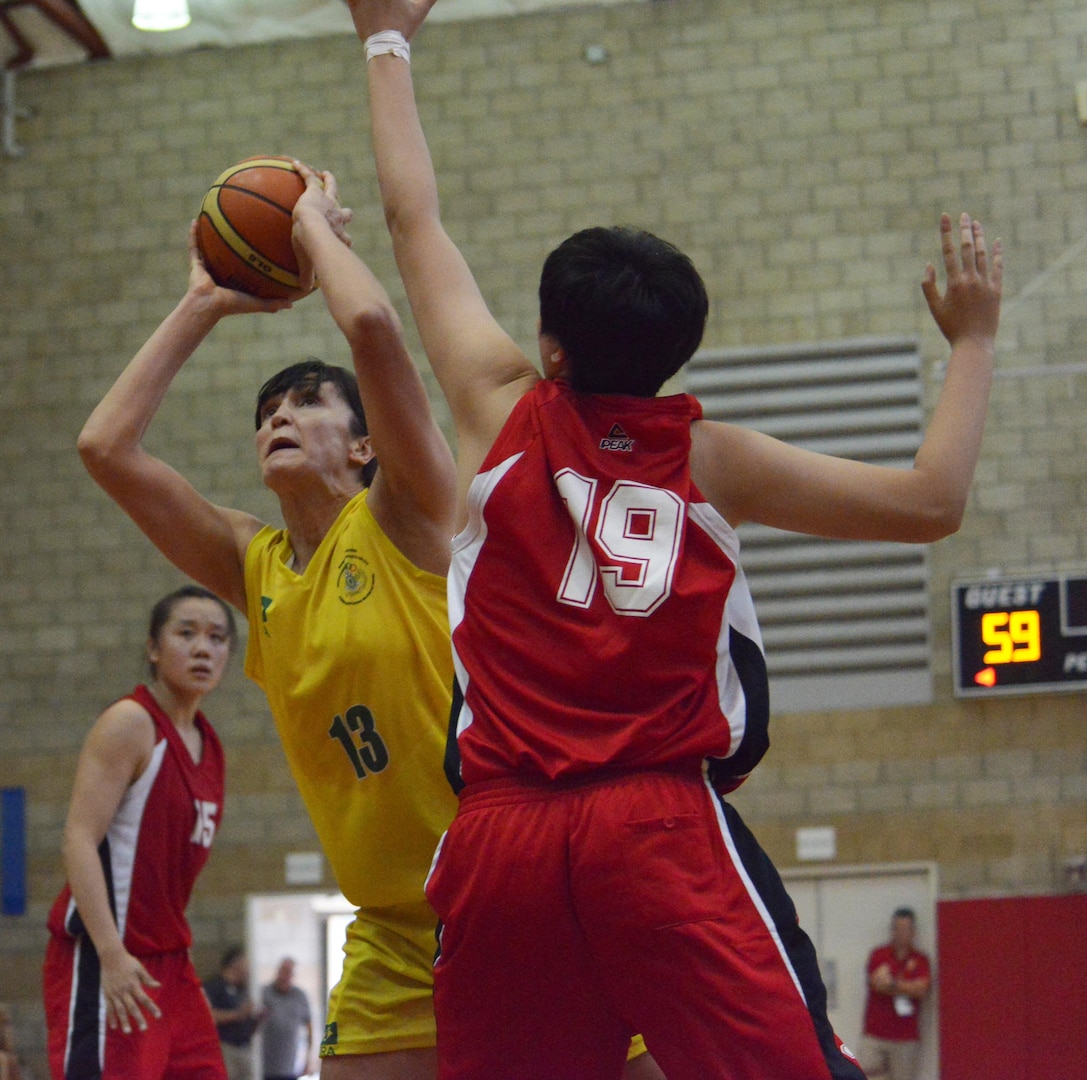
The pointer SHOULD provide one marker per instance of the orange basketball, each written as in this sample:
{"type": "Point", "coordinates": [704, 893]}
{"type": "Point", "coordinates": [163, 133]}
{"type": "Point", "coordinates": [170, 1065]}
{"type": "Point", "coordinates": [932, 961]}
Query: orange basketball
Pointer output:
{"type": "Point", "coordinates": [244, 227]}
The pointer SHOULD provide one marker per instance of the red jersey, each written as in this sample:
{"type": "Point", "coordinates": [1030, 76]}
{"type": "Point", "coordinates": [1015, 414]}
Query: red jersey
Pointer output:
{"type": "Point", "coordinates": [158, 841]}
{"type": "Point", "coordinates": [600, 616]}
{"type": "Point", "coordinates": [887, 1017]}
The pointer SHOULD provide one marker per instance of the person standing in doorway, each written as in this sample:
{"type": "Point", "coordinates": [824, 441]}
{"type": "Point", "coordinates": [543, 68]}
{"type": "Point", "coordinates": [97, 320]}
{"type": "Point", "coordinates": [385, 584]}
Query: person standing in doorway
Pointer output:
{"type": "Point", "coordinates": [9, 1058]}
{"type": "Point", "coordinates": [899, 979]}
{"type": "Point", "coordinates": [235, 1016]}
{"type": "Point", "coordinates": [286, 1018]}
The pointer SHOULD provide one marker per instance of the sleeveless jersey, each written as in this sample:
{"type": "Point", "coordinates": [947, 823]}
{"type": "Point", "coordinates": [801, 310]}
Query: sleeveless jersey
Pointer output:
{"type": "Point", "coordinates": [600, 616]}
{"type": "Point", "coordinates": [158, 841]}
{"type": "Point", "coordinates": [353, 655]}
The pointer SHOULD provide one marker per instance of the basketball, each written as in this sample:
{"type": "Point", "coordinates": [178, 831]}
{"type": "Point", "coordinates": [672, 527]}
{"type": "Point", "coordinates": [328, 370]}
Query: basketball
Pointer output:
{"type": "Point", "coordinates": [244, 228]}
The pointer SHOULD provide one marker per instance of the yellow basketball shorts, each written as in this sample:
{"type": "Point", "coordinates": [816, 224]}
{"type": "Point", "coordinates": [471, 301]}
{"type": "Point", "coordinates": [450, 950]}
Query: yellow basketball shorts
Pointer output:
{"type": "Point", "coordinates": [384, 1000]}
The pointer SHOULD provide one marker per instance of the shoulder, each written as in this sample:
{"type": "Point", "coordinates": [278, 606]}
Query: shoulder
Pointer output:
{"type": "Point", "coordinates": [710, 437]}
{"type": "Point", "coordinates": [212, 743]}
{"type": "Point", "coordinates": [262, 540]}
{"type": "Point", "coordinates": [124, 724]}
{"type": "Point", "coordinates": [720, 455]}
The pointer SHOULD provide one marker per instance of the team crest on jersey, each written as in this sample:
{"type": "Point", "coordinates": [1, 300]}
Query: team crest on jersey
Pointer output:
{"type": "Point", "coordinates": [355, 580]}
{"type": "Point", "coordinates": [617, 439]}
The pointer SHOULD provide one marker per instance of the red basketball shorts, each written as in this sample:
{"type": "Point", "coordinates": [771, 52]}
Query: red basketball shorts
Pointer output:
{"type": "Point", "coordinates": [574, 916]}
{"type": "Point", "coordinates": [182, 1043]}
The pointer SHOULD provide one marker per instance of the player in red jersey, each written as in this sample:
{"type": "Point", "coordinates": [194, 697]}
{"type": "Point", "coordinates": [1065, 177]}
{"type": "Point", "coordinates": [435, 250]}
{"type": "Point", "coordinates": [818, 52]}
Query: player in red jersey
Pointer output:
{"type": "Point", "coordinates": [594, 882]}
{"type": "Point", "coordinates": [122, 999]}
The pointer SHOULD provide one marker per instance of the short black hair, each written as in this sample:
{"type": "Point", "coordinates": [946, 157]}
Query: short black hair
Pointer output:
{"type": "Point", "coordinates": [162, 611]}
{"type": "Point", "coordinates": [310, 374]}
{"type": "Point", "coordinates": [628, 308]}
{"type": "Point", "coordinates": [904, 913]}
{"type": "Point", "coordinates": [230, 955]}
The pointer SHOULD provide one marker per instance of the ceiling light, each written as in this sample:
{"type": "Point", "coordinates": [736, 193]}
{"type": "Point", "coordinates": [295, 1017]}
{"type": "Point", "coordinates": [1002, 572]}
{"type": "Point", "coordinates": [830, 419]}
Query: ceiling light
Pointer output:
{"type": "Point", "coordinates": [160, 14]}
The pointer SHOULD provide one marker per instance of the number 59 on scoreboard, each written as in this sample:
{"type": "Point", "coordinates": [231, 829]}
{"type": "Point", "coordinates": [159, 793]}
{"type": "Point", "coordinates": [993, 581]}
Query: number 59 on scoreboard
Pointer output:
{"type": "Point", "coordinates": [1019, 635]}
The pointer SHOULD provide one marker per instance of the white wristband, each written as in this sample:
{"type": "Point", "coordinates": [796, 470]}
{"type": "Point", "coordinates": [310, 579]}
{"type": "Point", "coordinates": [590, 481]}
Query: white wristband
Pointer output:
{"type": "Point", "coordinates": [388, 41]}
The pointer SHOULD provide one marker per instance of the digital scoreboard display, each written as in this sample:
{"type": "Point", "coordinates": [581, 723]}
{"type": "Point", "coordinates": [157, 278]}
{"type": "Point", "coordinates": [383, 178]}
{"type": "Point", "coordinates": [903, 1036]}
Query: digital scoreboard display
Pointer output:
{"type": "Point", "coordinates": [1019, 635]}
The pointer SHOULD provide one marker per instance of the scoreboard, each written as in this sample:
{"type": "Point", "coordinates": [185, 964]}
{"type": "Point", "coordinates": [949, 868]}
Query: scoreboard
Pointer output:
{"type": "Point", "coordinates": [1019, 635]}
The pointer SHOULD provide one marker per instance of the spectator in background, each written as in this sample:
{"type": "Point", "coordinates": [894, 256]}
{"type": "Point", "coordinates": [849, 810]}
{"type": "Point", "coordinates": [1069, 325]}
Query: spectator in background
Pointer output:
{"type": "Point", "coordinates": [899, 979]}
{"type": "Point", "coordinates": [286, 1014]}
{"type": "Point", "coordinates": [235, 1016]}
{"type": "Point", "coordinates": [9, 1059]}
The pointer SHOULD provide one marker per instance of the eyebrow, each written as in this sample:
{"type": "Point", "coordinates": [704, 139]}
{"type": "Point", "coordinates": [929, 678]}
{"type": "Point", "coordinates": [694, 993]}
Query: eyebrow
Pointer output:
{"type": "Point", "coordinates": [196, 623]}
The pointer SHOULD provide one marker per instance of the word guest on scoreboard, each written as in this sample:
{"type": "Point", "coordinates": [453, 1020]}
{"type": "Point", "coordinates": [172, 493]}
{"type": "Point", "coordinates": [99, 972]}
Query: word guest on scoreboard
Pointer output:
{"type": "Point", "coordinates": [1019, 635]}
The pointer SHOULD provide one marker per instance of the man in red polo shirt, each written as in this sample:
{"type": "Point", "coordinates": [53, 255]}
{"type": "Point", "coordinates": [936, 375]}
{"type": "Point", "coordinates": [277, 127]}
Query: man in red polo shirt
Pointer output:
{"type": "Point", "coordinates": [899, 978]}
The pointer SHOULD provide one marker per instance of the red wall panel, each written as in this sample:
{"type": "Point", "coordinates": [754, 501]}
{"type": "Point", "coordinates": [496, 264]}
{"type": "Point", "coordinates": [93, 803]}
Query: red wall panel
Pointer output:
{"type": "Point", "coordinates": [1013, 987]}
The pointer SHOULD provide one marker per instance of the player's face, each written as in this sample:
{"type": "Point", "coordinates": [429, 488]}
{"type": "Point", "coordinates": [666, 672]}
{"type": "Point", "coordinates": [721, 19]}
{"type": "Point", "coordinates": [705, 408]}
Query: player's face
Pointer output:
{"type": "Point", "coordinates": [309, 429]}
{"type": "Point", "coordinates": [192, 648]}
{"type": "Point", "coordinates": [902, 932]}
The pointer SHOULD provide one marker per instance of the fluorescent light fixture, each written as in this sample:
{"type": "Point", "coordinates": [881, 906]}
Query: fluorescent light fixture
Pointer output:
{"type": "Point", "coordinates": [160, 14]}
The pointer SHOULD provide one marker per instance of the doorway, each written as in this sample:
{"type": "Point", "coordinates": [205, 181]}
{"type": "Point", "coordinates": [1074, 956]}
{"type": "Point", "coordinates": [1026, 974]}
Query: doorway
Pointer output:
{"type": "Point", "coordinates": [309, 928]}
{"type": "Point", "coordinates": [846, 911]}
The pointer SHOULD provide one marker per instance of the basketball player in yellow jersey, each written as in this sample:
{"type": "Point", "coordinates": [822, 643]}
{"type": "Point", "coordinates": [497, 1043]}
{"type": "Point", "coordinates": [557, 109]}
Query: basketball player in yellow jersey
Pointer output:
{"type": "Point", "coordinates": [348, 632]}
{"type": "Point", "coordinates": [370, 770]}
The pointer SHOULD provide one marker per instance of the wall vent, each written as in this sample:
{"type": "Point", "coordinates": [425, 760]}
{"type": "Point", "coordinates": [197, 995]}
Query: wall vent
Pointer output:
{"type": "Point", "coordinates": [845, 624]}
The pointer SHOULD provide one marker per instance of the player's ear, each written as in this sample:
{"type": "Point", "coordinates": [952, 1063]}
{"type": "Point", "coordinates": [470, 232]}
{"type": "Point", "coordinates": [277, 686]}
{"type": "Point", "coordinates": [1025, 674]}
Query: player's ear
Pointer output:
{"type": "Point", "coordinates": [552, 356]}
{"type": "Point", "coordinates": [361, 451]}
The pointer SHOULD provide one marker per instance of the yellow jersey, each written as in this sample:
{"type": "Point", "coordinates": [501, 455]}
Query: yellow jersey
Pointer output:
{"type": "Point", "coordinates": [354, 657]}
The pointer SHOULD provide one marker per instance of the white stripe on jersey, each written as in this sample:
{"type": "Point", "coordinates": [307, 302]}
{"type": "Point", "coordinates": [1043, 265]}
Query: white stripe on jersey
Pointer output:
{"type": "Point", "coordinates": [739, 613]}
{"type": "Point", "coordinates": [749, 886]}
{"type": "Point", "coordinates": [122, 836]}
{"type": "Point", "coordinates": [124, 832]}
{"type": "Point", "coordinates": [467, 545]}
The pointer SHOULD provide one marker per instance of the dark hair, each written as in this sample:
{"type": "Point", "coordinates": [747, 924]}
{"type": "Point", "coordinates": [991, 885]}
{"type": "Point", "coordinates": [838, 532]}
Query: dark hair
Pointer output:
{"type": "Point", "coordinates": [162, 611]}
{"type": "Point", "coordinates": [231, 954]}
{"type": "Point", "coordinates": [310, 374]}
{"type": "Point", "coordinates": [904, 913]}
{"type": "Point", "coordinates": [628, 309]}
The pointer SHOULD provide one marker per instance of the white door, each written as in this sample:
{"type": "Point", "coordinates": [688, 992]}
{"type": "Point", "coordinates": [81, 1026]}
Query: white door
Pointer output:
{"type": "Point", "coordinates": [846, 911]}
{"type": "Point", "coordinates": [309, 928]}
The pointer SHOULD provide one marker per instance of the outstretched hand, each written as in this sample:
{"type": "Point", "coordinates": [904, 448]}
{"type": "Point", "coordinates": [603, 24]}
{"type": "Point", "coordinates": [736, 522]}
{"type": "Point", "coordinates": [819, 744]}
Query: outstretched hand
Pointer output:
{"type": "Point", "coordinates": [226, 301]}
{"type": "Point", "coordinates": [373, 16]}
{"type": "Point", "coordinates": [321, 199]}
{"type": "Point", "coordinates": [970, 305]}
{"type": "Point", "coordinates": [123, 982]}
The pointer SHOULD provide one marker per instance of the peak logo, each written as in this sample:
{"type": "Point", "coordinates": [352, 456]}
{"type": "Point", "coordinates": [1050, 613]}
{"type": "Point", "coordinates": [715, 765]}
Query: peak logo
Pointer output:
{"type": "Point", "coordinates": [617, 439]}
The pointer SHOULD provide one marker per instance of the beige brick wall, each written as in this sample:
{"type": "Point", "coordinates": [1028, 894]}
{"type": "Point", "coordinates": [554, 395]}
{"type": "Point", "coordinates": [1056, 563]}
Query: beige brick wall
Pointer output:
{"type": "Point", "coordinates": [800, 151]}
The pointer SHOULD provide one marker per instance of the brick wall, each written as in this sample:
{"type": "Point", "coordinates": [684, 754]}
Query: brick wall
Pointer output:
{"type": "Point", "coordinates": [800, 151]}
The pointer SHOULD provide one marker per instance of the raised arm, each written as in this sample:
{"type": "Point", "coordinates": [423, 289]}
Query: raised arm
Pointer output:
{"type": "Point", "coordinates": [413, 492]}
{"type": "Point", "coordinates": [481, 371]}
{"type": "Point", "coordinates": [753, 477]}
{"type": "Point", "coordinates": [206, 542]}
{"type": "Point", "coordinates": [114, 755]}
